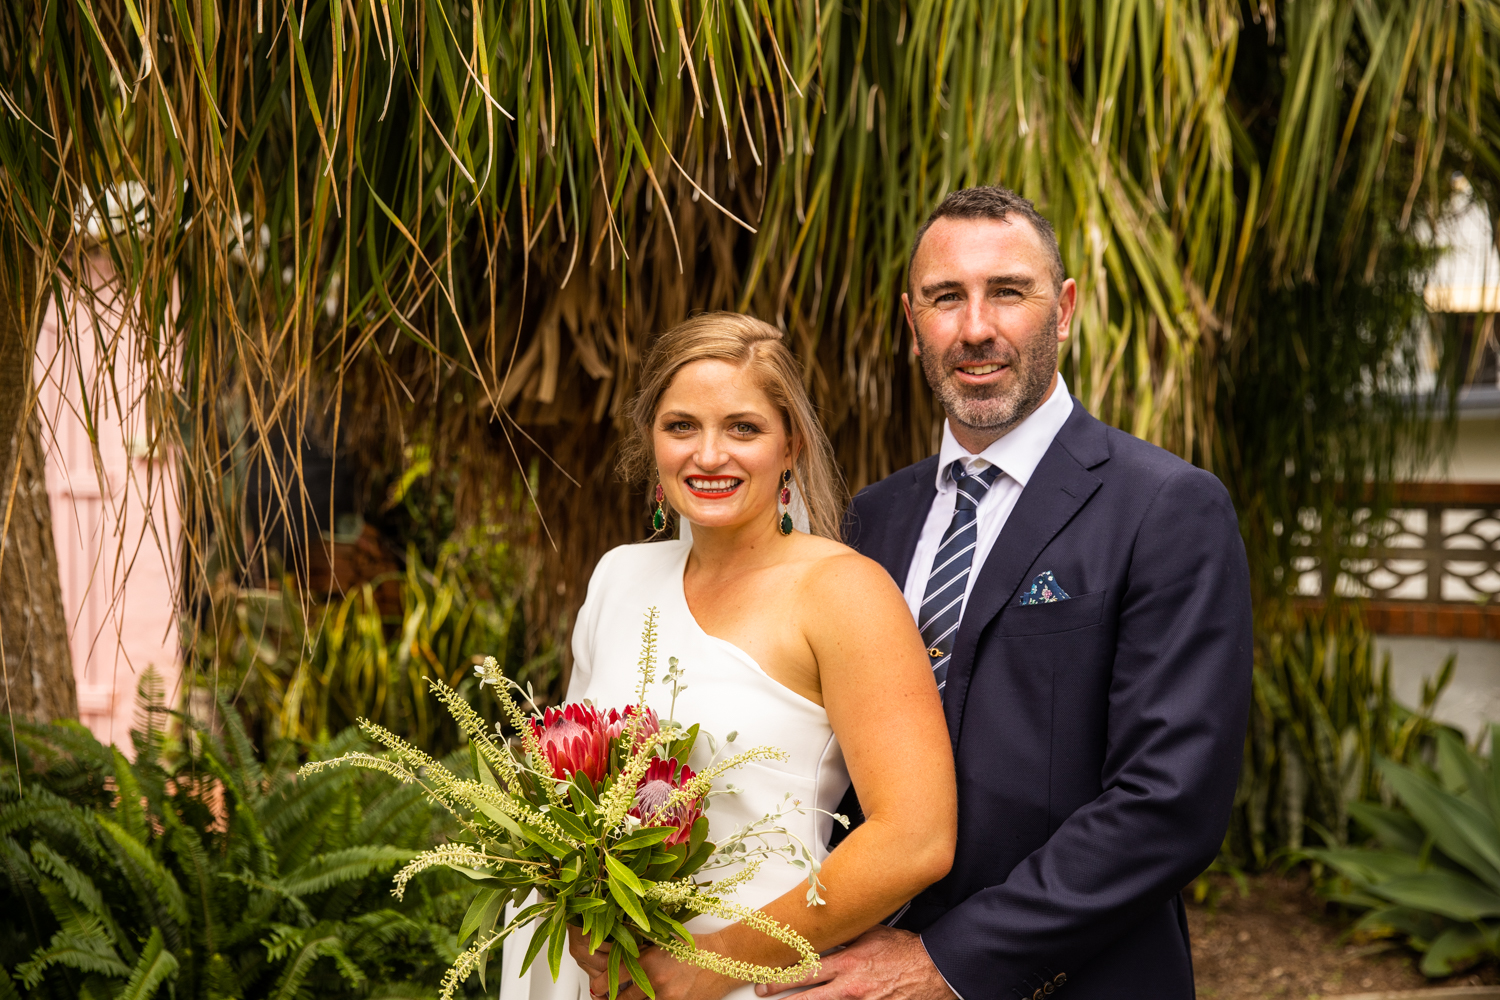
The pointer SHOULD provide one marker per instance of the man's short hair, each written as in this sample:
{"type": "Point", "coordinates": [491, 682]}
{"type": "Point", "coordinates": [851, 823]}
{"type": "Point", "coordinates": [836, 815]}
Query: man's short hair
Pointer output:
{"type": "Point", "coordinates": [996, 203]}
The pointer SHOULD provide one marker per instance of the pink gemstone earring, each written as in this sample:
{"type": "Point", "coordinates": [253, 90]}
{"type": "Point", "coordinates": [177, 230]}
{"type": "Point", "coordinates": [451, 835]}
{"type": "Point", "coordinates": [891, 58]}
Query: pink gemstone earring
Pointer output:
{"type": "Point", "coordinates": [786, 501]}
{"type": "Point", "coordinates": [659, 518]}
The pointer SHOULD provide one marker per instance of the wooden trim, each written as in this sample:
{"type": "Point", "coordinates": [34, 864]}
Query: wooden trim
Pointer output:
{"type": "Point", "coordinates": [1441, 621]}
{"type": "Point", "coordinates": [1478, 494]}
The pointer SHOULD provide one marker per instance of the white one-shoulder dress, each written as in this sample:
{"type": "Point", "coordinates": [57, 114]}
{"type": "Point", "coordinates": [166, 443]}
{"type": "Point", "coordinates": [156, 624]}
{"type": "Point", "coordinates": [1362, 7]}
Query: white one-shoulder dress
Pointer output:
{"type": "Point", "coordinates": [725, 692]}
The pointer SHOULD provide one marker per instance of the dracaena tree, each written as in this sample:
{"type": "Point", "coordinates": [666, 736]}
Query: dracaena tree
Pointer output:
{"type": "Point", "coordinates": [455, 224]}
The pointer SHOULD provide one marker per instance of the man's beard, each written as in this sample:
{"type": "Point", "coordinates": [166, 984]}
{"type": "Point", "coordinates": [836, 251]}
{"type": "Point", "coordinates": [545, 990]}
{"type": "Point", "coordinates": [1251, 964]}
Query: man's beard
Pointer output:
{"type": "Point", "coordinates": [995, 409]}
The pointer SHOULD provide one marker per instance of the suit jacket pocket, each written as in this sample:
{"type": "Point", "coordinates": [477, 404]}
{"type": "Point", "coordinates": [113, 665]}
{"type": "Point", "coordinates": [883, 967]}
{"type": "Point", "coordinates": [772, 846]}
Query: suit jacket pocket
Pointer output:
{"type": "Point", "coordinates": [1058, 616]}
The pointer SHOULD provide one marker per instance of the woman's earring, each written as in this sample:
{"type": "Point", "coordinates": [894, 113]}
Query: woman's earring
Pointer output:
{"type": "Point", "coordinates": [659, 518]}
{"type": "Point", "coordinates": [786, 501]}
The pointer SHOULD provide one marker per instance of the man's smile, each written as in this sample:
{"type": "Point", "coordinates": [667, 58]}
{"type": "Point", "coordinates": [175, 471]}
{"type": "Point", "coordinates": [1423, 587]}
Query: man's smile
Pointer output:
{"type": "Point", "coordinates": [980, 374]}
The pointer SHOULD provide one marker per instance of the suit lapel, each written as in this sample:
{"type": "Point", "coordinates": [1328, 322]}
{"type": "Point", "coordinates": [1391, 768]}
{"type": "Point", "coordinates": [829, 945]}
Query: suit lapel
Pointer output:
{"type": "Point", "coordinates": [906, 516]}
{"type": "Point", "coordinates": [1057, 490]}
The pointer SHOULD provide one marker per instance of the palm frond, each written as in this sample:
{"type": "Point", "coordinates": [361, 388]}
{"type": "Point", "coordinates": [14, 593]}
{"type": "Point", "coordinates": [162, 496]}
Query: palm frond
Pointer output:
{"type": "Point", "coordinates": [358, 229]}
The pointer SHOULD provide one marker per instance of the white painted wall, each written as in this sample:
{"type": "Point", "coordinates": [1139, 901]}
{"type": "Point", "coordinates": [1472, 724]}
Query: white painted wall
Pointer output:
{"type": "Point", "coordinates": [1476, 452]}
{"type": "Point", "coordinates": [1471, 700]}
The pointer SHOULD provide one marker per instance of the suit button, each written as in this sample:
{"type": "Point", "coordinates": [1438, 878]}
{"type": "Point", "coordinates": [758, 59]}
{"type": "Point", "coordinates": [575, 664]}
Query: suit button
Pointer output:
{"type": "Point", "coordinates": [1037, 995]}
{"type": "Point", "coordinates": [1062, 977]}
{"type": "Point", "coordinates": [1048, 988]}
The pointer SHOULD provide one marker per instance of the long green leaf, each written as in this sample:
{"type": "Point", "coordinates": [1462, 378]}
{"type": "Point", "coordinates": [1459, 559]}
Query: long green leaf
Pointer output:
{"type": "Point", "coordinates": [156, 966]}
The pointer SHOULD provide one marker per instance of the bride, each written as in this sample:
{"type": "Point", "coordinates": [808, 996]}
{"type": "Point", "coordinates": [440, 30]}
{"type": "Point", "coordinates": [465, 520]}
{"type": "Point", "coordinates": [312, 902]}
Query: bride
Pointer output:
{"type": "Point", "coordinates": [785, 638]}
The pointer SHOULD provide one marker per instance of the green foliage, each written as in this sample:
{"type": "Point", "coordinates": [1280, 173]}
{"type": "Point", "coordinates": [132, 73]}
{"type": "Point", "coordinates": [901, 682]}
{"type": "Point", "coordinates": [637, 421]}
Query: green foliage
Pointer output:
{"type": "Point", "coordinates": [472, 217]}
{"type": "Point", "coordinates": [1321, 717]}
{"type": "Point", "coordinates": [203, 871]}
{"type": "Point", "coordinates": [304, 671]}
{"type": "Point", "coordinates": [1323, 396]}
{"type": "Point", "coordinates": [1434, 878]}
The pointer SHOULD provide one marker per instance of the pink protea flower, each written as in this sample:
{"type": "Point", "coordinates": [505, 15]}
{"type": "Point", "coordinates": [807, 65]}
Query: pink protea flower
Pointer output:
{"type": "Point", "coordinates": [656, 786]}
{"type": "Point", "coordinates": [573, 739]}
{"type": "Point", "coordinates": [614, 723]}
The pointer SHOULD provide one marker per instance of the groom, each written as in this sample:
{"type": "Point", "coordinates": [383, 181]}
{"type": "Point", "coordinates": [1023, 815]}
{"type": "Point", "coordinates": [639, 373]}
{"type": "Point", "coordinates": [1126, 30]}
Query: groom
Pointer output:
{"type": "Point", "coordinates": [1085, 601]}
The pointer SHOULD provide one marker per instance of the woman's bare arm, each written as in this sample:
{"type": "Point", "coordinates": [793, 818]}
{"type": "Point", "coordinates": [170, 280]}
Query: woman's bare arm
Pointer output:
{"type": "Point", "coordinates": [884, 706]}
{"type": "Point", "coordinates": [886, 711]}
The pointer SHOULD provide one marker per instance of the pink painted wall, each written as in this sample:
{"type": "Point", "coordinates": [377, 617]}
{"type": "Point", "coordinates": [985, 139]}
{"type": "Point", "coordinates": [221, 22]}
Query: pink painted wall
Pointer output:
{"type": "Point", "coordinates": [116, 525]}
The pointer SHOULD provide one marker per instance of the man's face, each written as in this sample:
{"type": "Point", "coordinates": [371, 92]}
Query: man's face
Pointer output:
{"type": "Point", "coordinates": [987, 322]}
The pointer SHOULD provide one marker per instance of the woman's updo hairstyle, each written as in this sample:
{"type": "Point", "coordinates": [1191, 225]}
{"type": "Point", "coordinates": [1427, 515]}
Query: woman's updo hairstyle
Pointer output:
{"type": "Point", "coordinates": [758, 347]}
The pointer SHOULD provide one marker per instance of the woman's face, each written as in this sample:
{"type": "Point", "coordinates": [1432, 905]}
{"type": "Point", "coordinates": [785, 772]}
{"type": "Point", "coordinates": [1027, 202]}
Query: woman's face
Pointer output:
{"type": "Point", "coordinates": [721, 446]}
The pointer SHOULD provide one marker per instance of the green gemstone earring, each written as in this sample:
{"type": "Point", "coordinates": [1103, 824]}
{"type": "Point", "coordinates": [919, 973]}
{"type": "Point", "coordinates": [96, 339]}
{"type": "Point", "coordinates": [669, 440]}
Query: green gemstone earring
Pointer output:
{"type": "Point", "coordinates": [786, 501]}
{"type": "Point", "coordinates": [659, 517]}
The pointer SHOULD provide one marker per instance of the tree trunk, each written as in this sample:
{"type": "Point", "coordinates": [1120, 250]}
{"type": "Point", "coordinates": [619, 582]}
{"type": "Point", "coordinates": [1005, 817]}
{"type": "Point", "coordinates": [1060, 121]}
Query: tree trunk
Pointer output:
{"type": "Point", "coordinates": [36, 665]}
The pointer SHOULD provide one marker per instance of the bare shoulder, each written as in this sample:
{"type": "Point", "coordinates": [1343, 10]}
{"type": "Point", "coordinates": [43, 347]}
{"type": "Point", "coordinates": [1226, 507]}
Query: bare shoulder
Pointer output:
{"type": "Point", "coordinates": [833, 577]}
{"type": "Point", "coordinates": [854, 618]}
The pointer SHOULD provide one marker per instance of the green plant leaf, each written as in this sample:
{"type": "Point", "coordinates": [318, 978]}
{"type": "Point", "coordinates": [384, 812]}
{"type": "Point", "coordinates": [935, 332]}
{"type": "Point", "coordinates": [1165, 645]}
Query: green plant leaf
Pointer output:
{"type": "Point", "coordinates": [612, 968]}
{"type": "Point", "coordinates": [1385, 921]}
{"type": "Point", "coordinates": [1395, 830]}
{"type": "Point", "coordinates": [557, 942]}
{"type": "Point", "coordinates": [542, 840]}
{"type": "Point", "coordinates": [648, 836]}
{"type": "Point", "coordinates": [86, 953]}
{"type": "Point", "coordinates": [624, 939]}
{"type": "Point", "coordinates": [539, 937]}
{"type": "Point", "coordinates": [698, 835]}
{"type": "Point", "coordinates": [1367, 866]}
{"type": "Point", "coordinates": [619, 872]}
{"type": "Point", "coordinates": [1458, 948]}
{"type": "Point", "coordinates": [571, 824]}
{"type": "Point", "coordinates": [499, 818]}
{"type": "Point", "coordinates": [482, 913]}
{"type": "Point", "coordinates": [1441, 891]}
{"type": "Point", "coordinates": [1462, 831]}
{"type": "Point", "coordinates": [156, 964]}
{"type": "Point", "coordinates": [352, 864]}
{"type": "Point", "coordinates": [639, 975]}
{"type": "Point", "coordinates": [696, 859]}
{"type": "Point", "coordinates": [627, 891]}
{"type": "Point", "coordinates": [323, 940]}
{"type": "Point", "coordinates": [676, 928]}
{"type": "Point", "coordinates": [153, 875]}
{"type": "Point", "coordinates": [130, 811]}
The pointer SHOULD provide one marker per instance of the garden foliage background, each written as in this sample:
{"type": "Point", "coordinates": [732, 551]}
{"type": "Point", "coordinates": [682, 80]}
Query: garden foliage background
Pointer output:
{"type": "Point", "coordinates": [426, 242]}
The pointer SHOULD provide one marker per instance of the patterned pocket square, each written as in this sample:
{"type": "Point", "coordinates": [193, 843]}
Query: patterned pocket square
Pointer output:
{"type": "Point", "coordinates": [1044, 590]}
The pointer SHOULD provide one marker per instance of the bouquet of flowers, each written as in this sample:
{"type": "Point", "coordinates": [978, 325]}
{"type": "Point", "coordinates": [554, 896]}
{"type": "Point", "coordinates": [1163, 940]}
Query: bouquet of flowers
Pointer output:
{"type": "Point", "coordinates": [599, 814]}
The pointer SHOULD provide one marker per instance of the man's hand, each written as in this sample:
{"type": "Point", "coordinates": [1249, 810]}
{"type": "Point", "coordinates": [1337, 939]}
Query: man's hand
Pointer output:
{"type": "Point", "coordinates": [880, 964]}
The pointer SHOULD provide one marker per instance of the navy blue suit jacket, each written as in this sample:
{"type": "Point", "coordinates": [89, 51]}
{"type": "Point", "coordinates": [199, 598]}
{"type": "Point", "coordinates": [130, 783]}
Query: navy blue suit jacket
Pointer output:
{"type": "Point", "coordinates": [1097, 739]}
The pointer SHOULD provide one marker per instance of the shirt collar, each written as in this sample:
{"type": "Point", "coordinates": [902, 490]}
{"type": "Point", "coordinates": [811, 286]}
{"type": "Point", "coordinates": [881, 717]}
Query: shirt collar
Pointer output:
{"type": "Point", "coordinates": [1018, 452]}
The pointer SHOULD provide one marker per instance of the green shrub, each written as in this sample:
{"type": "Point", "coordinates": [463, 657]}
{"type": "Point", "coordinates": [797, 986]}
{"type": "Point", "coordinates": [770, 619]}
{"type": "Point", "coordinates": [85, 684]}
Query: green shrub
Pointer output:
{"type": "Point", "coordinates": [305, 670]}
{"type": "Point", "coordinates": [202, 871]}
{"type": "Point", "coordinates": [1320, 717]}
{"type": "Point", "coordinates": [1434, 877]}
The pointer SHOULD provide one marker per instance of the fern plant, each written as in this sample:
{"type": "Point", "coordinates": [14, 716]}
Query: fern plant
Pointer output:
{"type": "Point", "coordinates": [200, 870]}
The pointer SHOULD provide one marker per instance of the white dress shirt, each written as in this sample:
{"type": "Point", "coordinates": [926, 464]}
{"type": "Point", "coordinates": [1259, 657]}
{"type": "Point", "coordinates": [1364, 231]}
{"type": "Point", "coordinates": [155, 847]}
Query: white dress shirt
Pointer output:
{"type": "Point", "coordinates": [1017, 453]}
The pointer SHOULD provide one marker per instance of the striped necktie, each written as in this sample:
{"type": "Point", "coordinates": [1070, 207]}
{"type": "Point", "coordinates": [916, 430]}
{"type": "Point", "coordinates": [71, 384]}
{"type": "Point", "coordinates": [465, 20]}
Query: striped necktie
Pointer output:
{"type": "Point", "coordinates": [943, 599]}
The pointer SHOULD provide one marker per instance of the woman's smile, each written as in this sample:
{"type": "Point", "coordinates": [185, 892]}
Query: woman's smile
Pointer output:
{"type": "Point", "coordinates": [712, 487]}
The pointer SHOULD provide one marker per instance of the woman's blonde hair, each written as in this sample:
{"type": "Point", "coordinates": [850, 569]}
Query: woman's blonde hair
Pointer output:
{"type": "Point", "coordinates": [757, 346]}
